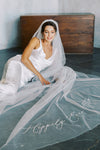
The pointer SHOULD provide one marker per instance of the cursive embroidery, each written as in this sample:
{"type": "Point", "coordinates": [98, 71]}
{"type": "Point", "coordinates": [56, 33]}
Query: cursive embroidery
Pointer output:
{"type": "Point", "coordinates": [42, 128]}
{"type": "Point", "coordinates": [87, 103]}
{"type": "Point", "coordinates": [75, 116]}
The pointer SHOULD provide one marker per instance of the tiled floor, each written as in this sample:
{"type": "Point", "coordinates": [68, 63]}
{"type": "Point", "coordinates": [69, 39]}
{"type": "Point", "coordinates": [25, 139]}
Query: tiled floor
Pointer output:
{"type": "Point", "coordinates": [83, 63]}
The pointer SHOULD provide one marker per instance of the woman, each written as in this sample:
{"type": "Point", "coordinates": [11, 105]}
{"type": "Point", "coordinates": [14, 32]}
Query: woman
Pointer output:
{"type": "Point", "coordinates": [54, 111]}
{"type": "Point", "coordinates": [48, 33]}
{"type": "Point", "coordinates": [44, 50]}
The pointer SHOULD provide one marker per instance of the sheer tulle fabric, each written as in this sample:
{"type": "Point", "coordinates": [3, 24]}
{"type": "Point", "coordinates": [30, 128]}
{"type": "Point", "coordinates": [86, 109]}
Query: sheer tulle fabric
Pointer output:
{"type": "Point", "coordinates": [37, 116]}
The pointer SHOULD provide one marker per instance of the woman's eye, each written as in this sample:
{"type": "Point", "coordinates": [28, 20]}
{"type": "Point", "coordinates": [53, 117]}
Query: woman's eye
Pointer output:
{"type": "Point", "coordinates": [48, 32]}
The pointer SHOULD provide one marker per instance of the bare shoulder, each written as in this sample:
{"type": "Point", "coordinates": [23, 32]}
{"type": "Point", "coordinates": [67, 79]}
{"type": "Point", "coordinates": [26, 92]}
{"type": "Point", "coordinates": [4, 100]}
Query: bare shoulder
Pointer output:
{"type": "Point", "coordinates": [34, 42]}
{"type": "Point", "coordinates": [35, 39]}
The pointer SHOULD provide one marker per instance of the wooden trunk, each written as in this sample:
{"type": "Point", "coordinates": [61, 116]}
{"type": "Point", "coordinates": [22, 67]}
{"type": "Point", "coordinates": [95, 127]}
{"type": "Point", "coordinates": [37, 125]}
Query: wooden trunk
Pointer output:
{"type": "Point", "coordinates": [76, 30]}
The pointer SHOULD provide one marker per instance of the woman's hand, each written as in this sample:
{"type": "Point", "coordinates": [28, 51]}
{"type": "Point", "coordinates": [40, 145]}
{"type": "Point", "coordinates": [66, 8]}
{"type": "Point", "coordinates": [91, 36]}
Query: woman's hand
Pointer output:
{"type": "Point", "coordinates": [43, 81]}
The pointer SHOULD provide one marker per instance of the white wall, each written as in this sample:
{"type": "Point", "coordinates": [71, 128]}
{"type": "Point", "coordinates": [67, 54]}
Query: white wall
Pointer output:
{"type": "Point", "coordinates": [81, 6]}
{"type": "Point", "coordinates": [11, 10]}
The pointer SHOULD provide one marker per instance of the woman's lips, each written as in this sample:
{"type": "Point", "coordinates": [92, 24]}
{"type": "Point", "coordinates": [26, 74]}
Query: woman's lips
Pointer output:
{"type": "Point", "coordinates": [49, 38]}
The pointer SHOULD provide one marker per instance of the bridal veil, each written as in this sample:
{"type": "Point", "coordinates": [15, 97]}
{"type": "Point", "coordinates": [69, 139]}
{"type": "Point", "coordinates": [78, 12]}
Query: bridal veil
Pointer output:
{"type": "Point", "coordinates": [38, 116]}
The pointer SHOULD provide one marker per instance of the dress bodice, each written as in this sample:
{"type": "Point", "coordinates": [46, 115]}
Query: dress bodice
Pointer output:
{"type": "Point", "coordinates": [39, 52]}
{"type": "Point", "coordinates": [38, 58]}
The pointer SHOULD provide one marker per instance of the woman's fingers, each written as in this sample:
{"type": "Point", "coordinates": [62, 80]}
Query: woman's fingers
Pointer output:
{"type": "Point", "coordinates": [47, 82]}
{"type": "Point", "coordinates": [43, 81]}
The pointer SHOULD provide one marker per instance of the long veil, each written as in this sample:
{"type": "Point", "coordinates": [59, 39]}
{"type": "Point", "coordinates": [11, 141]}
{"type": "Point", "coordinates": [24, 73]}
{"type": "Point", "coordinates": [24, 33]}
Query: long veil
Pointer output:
{"type": "Point", "coordinates": [38, 116]}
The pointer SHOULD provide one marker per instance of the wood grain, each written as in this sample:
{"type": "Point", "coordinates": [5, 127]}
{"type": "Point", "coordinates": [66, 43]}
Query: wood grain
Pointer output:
{"type": "Point", "coordinates": [77, 30]}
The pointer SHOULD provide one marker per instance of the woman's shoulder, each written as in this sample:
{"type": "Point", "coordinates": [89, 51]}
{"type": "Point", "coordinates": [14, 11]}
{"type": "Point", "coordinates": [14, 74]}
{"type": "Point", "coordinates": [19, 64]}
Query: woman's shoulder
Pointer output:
{"type": "Point", "coordinates": [35, 39]}
{"type": "Point", "coordinates": [36, 42]}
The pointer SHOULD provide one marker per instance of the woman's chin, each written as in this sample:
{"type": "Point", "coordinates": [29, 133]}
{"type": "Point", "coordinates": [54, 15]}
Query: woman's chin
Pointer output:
{"type": "Point", "coordinates": [50, 40]}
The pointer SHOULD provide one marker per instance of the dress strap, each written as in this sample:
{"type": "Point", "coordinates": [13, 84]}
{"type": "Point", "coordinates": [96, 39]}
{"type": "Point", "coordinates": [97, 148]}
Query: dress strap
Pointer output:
{"type": "Point", "coordinates": [40, 45]}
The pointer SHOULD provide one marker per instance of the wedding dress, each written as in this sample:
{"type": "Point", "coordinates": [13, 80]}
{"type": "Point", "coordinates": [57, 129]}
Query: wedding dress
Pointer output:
{"type": "Point", "coordinates": [40, 115]}
{"type": "Point", "coordinates": [16, 74]}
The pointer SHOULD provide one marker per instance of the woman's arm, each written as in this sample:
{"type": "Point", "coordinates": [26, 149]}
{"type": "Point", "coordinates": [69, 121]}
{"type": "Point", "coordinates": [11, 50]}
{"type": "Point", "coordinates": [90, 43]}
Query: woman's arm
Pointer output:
{"type": "Point", "coordinates": [26, 61]}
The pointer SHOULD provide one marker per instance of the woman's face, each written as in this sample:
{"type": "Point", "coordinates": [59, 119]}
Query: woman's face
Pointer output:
{"type": "Point", "coordinates": [49, 33]}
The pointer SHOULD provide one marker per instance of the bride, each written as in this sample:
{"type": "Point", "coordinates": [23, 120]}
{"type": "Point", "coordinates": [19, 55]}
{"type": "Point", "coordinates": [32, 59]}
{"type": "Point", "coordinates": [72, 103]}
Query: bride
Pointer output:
{"type": "Point", "coordinates": [43, 102]}
{"type": "Point", "coordinates": [44, 50]}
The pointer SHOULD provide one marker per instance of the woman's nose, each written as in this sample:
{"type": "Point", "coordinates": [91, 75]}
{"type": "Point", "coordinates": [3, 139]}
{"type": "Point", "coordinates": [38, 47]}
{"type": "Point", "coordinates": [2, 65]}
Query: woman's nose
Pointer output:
{"type": "Point", "coordinates": [49, 34]}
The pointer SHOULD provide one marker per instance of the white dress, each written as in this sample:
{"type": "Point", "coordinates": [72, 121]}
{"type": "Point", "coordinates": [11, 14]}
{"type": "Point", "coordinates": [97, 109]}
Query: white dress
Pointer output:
{"type": "Point", "coordinates": [16, 74]}
{"type": "Point", "coordinates": [38, 116]}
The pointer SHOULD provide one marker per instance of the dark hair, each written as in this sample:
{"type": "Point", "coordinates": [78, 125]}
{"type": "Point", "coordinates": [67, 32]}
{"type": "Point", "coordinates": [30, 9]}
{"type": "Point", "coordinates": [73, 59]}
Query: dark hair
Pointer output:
{"type": "Point", "coordinates": [49, 23]}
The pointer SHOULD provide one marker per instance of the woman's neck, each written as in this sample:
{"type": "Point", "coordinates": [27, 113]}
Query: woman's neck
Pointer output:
{"type": "Point", "coordinates": [47, 43]}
